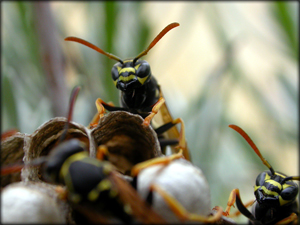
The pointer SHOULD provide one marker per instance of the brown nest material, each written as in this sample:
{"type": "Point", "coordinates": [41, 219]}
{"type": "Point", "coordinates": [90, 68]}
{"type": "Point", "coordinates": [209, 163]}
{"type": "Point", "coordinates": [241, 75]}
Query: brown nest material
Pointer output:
{"type": "Point", "coordinates": [127, 140]}
{"type": "Point", "coordinates": [46, 137]}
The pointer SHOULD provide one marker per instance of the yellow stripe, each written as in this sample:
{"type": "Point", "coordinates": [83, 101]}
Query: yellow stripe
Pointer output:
{"type": "Point", "coordinates": [267, 177]}
{"type": "Point", "coordinates": [97, 163]}
{"type": "Point", "coordinates": [75, 157]}
{"type": "Point", "coordinates": [125, 79]}
{"type": "Point", "coordinates": [119, 68]}
{"type": "Point", "coordinates": [268, 192]}
{"type": "Point", "coordinates": [115, 82]}
{"type": "Point", "coordinates": [127, 69]}
{"type": "Point", "coordinates": [64, 171]}
{"type": "Point", "coordinates": [137, 66]}
{"type": "Point", "coordinates": [142, 80]}
{"type": "Point", "coordinates": [128, 60]}
{"type": "Point", "coordinates": [279, 174]}
{"type": "Point", "coordinates": [282, 201]}
{"type": "Point", "coordinates": [285, 186]}
{"type": "Point", "coordinates": [274, 183]}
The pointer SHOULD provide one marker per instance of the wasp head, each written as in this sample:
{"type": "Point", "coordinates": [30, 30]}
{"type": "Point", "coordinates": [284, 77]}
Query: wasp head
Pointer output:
{"type": "Point", "coordinates": [128, 75]}
{"type": "Point", "coordinates": [275, 189]}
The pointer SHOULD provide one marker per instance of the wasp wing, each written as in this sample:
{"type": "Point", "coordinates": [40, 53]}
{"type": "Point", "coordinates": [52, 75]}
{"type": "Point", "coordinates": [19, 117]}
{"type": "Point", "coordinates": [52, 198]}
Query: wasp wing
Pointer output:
{"type": "Point", "coordinates": [163, 117]}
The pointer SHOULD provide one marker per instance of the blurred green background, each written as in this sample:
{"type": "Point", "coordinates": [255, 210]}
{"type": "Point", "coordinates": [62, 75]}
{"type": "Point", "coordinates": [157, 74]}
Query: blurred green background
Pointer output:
{"type": "Point", "coordinates": [227, 63]}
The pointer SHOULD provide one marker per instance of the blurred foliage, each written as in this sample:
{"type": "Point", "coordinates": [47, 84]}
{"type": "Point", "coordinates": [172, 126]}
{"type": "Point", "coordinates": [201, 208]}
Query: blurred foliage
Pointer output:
{"type": "Point", "coordinates": [125, 29]}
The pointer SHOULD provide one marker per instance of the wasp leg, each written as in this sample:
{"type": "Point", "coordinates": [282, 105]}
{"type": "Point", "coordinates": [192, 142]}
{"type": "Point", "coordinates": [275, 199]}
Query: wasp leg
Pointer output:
{"type": "Point", "coordinates": [155, 110]}
{"type": "Point", "coordinates": [102, 152]}
{"type": "Point", "coordinates": [230, 203]}
{"type": "Point", "coordinates": [165, 127]}
{"type": "Point", "coordinates": [182, 143]}
{"type": "Point", "coordinates": [111, 104]}
{"type": "Point", "coordinates": [181, 212]}
{"type": "Point", "coordinates": [160, 160]}
{"type": "Point", "coordinates": [94, 121]}
{"type": "Point", "coordinates": [237, 213]}
{"type": "Point", "coordinates": [99, 114]}
{"type": "Point", "coordinates": [291, 218]}
{"type": "Point", "coordinates": [242, 208]}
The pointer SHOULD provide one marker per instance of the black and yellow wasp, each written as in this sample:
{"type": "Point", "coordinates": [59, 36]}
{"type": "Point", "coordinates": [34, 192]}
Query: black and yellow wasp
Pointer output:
{"type": "Point", "coordinates": [95, 191]}
{"type": "Point", "coordinates": [275, 194]}
{"type": "Point", "coordinates": [139, 90]}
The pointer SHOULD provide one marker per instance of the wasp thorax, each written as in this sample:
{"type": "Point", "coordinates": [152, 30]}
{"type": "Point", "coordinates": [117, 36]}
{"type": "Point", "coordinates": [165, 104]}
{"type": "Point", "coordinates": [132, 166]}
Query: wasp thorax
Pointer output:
{"type": "Point", "coordinates": [129, 76]}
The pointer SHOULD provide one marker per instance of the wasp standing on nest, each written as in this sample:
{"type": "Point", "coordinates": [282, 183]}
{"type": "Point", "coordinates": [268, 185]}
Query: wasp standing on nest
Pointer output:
{"type": "Point", "coordinates": [140, 90]}
{"type": "Point", "coordinates": [96, 192]}
{"type": "Point", "coordinates": [275, 194]}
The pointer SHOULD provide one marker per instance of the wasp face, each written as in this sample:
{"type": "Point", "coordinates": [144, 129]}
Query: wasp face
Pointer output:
{"type": "Point", "coordinates": [128, 77]}
{"type": "Point", "coordinates": [272, 191]}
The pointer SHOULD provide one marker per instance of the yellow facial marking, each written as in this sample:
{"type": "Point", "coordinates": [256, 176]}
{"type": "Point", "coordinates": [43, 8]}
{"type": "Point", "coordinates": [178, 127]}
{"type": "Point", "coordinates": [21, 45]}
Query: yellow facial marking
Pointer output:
{"type": "Point", "coordinates": [137, 66]}
{"type": "Point", "coordinates": [268, 192]}
{"type": "Point", "coordinates": [119, 68]}
{"type": "Point", "coordinates": [126, 79]}
{"type": "Point", "coordinates": [286, 186]}
{"type": "Point", "coordinates": [142, 80]}
{"type": "Point", "coordinates": [274, 183]}
{"type": "Point", "coordinates": [267, 177]}
{"type": "Point", "coordinates": [279, 174]}
{"type": "Point", "coordinates": [127, 69]}
{"type": "Point", "coordinates": [282, 201]}
{"type": "Point", "coordinates": [115, 82]}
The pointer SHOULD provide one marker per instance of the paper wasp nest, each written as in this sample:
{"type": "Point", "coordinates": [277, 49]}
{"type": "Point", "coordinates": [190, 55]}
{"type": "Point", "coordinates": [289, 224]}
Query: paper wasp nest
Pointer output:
{"type": "Point", "coordinates": [128, 143]}
{"type": "Point", "coordinates": [33, 200]}
{"type": "Point", "coordinates": [12, 152]}
{"type": "Point", "coordinates": [43, 140]}
{"type": "Point", "coordinates": [127, 140]}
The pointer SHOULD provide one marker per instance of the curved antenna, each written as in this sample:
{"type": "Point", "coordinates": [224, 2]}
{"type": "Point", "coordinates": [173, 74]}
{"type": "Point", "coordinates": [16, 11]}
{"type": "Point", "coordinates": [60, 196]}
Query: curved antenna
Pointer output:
{"type": "Point", "coordinates": [73, 97]}
{"type": "Point", "coordinates": [156, 39]}
{"type": "Point", "coordinates": [90, 45]}
{"type": "Point", "coordinates": [253, 146]}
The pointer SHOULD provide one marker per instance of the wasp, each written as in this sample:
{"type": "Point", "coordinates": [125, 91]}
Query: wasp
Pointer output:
{"type": "Point", "coordinates": [96, 192]}
{"type": "Point", "coordinates": [139, 90]}
{"type": "Point", "coordinates": [275, 194]}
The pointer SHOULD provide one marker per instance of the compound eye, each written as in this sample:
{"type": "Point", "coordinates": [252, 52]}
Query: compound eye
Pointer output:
{"type": "Point", "coordinates": [261, 178]}
{"type": "Point", "coordinates": [115, 71]}
{"type": "Point", "coordinates": [142, 69]}
{"type": "Point", "coordinates": [289, 193]}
